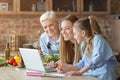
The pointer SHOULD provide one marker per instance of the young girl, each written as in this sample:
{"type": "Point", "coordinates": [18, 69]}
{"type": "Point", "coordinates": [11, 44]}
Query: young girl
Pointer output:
{"type": "Point", "coordinates": [98, 59]}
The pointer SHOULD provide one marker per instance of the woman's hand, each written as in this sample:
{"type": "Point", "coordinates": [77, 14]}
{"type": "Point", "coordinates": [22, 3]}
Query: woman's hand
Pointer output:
{"type": "Point", "coordinates": [41, 53]}
{"type": "Point", "coordinates": [52, 64]}
{"type": "Point", "coordinates": [73, 73]}
{"type": "Point", "coordinates": [63, 67]}
{"type": "Point", "coordinates": [59, 66]}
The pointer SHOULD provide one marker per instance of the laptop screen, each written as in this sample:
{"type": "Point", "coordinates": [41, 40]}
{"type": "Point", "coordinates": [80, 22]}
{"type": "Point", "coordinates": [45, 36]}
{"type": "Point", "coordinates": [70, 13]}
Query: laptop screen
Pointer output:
{"type": "Point", "coordinates": [32, 59]}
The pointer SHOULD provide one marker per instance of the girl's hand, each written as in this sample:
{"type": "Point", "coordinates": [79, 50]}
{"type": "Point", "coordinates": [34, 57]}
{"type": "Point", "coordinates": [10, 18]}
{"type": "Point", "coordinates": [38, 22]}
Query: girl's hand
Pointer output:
{"type": "Point", "coordinates": [52, 64]}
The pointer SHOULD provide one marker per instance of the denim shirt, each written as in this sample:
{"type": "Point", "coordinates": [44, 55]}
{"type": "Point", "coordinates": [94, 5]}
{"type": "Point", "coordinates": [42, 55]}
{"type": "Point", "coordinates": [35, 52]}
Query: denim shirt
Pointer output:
{"type": "Point", "coordinates": [48, 46]}
{"type": "Point", "coordinates": [102, 62]}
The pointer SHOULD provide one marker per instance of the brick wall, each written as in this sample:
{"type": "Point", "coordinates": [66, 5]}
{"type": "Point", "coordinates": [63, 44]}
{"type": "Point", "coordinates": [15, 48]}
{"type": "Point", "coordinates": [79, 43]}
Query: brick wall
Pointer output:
{"type": "Point", "coordinates": [115, 6]}
{"type": "Point", "coordinates": [27, 27]}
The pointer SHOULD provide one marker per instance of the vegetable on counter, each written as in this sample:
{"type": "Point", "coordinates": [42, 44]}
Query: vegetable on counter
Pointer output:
{"type": "Point", "coordinates": [2, 61]}
{"type": "Point", "coordinates": [49, 58]}
{"type": "Point", "coordinates": [15, 61]}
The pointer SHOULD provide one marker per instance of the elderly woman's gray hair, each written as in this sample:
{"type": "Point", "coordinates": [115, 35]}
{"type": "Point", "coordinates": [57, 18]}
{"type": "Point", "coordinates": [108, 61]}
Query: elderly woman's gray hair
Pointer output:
{"type": "Point", "coordinates": [48, 15]}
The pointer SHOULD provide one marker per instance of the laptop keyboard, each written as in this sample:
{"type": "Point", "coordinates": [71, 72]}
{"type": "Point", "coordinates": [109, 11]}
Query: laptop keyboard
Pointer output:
{"type": "Point", "coordinates": [50, 69]}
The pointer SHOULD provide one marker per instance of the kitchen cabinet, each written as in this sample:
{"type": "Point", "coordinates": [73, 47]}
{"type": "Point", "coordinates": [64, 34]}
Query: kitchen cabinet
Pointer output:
{"type": "Point", "coordinates": [63, 7]}
{"type": "Point", "coordinates": [95, 6]}
{"type": "Point", "coordinates": [8, 9]}
{"type": "Point", "coordinates": [25, 7]}
{"type": "Point", "coordinates": [35, 7]}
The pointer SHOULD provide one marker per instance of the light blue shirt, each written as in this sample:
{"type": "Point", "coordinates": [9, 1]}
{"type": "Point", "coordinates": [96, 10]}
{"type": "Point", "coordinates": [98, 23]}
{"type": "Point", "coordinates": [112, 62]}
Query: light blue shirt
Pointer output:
{"type": "Point", "coordinates": [45, 40]}
{"type": "Point", "coordinates": [102, 62]}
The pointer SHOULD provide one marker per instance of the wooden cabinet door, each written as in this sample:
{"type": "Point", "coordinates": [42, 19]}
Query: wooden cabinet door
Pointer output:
{"type": "Point", "coordinates": [95, 6]}
{"type": "Point", "coordinates": [32, 7]}
{"type": "Point", "coordinates": [7, 6]}
{"type": "Point", "coordinates": [37, 7]}
{"type": "Point", "coordinates": [65, 6]}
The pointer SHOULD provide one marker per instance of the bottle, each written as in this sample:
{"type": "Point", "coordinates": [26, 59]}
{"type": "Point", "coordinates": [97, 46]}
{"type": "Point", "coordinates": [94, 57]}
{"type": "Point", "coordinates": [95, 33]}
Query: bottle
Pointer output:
{"type": "Point", "coordinates": [7, 51]}
{"type": "Point", "coordinates": [91, 6]}
{"type": "Point", "coordinates": [73, 5]}
{"type": "Point", "coordinates": [33, 7]}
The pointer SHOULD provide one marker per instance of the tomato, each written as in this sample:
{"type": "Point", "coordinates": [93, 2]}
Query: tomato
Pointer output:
{"type": "Point", "coordinates": [14, 64]}
{"type": "Point", "coordinates": [11, 61]}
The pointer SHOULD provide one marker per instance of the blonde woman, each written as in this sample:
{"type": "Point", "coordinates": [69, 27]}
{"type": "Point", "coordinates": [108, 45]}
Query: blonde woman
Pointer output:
{"type": "Point", "coordinates": [69, 49]}
{"type": "Point", "coordinates": [98, 59]}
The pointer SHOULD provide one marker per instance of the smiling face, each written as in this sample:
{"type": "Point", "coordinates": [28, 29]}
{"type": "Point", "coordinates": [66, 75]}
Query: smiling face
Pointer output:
{"type": "Point", "coordinates": [50, 27]}
{"type": "Point", "coordinates": [78, 34]}
{"type": "Point", "coordinates": [67, 30]}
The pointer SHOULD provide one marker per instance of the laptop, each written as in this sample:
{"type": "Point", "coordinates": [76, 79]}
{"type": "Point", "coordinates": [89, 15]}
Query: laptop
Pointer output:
{"type": "Point", "coordinates": [33, 61]}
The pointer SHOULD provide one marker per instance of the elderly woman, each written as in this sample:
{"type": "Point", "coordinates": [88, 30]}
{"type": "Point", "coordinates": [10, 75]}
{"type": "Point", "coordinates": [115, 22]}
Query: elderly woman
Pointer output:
{"type": "Point", "coordinates": [49, 40]}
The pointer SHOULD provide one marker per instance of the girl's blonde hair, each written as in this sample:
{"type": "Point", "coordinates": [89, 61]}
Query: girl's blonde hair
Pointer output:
{"type": "Point", "coordinates": [92, 28]}
{"type": "Point", "coordinates": [94, 25]}
{"type": "Point", "coordinates": [69, 52]}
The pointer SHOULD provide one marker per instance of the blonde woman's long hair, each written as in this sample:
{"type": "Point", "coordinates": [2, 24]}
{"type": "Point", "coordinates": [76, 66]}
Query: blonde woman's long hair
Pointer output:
{"type": "Point", "coordinates": [69, 52]}
{"type": "Point", "coordinates": [66, 50]}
